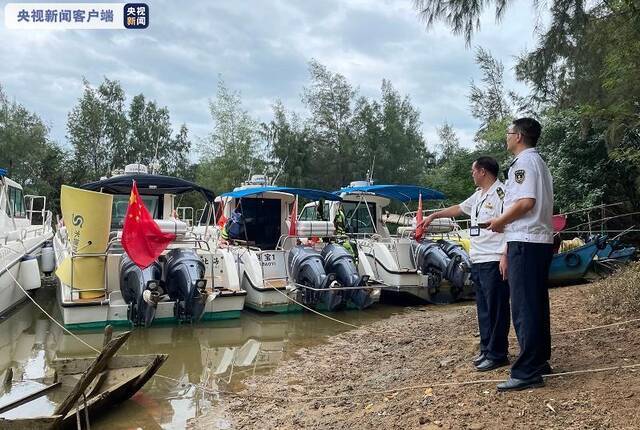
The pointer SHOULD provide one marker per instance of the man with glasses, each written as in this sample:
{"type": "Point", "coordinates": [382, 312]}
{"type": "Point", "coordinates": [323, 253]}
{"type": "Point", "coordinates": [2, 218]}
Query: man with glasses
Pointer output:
{"type": "Point", "coordinates": [492, 291]}
{"type": "Point", "coordinates": [526, 221]}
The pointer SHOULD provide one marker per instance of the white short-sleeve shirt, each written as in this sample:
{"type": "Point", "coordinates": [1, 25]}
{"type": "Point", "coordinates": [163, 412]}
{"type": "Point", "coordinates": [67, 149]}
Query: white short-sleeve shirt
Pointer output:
{"type": "Point", "coordinates": [529, 177]}
{"type": "Point", "coordinates": [482, 207]}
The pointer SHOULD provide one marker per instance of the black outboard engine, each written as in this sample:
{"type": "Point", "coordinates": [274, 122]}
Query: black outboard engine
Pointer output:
{"type": "Point", "coordinates": [307, 268]}
{"type": "Point", "coordinates": [435, 263]}
{"type": "Point", "coordinates": [460, 273]}
{"type": "Point", "coordinates": [185, 283]}
{"type": "Point", "coordinates": [141, 290]}
{"type": "Point", "coordinates": [339, 261]}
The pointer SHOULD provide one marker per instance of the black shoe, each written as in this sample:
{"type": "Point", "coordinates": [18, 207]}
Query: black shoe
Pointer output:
{"type": "Point", "coordinates": [514, 384]}
{"type": "Point", "coordinates": [488, 364]}
{"type": "Point", "coordinates": [479, 359]}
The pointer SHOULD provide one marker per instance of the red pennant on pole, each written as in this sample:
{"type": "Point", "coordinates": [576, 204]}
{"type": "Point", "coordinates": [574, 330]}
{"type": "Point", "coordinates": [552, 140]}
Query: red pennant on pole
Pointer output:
{"type": "Point", "coordinates": [294, 218]}
{"type": "Point", "coordinates": [142, 239]}
{"type": "Point", "coordinates": [419, 224]}
{"type": "Point", "coordinates": [222, 220]}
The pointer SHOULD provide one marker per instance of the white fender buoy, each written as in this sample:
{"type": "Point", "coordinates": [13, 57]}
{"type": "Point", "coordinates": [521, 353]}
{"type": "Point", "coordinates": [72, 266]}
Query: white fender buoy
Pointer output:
{"type": "Point", "coordinates": [47, 259]}
{"type": "Point", "coordinates": [29, 274]}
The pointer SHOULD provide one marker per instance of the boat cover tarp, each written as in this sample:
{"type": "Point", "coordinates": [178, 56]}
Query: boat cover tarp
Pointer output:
{"type": "Point", "coordinates": [403, 193]}
{"type": "Point", "coordinates": [3, 172]}
{"type": "Point", "coordinates": [148, 185]}
{"type": "Point", "coordinates": [303, 192]}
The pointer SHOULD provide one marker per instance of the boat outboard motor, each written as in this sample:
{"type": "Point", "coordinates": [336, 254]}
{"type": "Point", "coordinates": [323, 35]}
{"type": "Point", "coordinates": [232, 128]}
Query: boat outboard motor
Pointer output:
{"type": "Point", "coordinates": [460, 272]}
{"type": "Point", "coordinates": [141, 289]}
{"type": "Point", "coordinates": [432, 261]}
{"type": "Point", "coordinates": [307, 268]}
{"type": "Point", "coordinates": [339, 261]}
{"type": "Point", "coordinates": [185, 283]}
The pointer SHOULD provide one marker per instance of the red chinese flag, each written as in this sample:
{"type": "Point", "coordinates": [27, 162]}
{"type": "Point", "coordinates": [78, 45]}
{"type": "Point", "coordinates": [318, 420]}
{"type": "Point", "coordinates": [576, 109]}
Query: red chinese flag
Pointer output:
{"type": "Point", "coordinates": [419, 225]}
{"type": "Point", "coordinates": [142, 239]}
{"type": "Point", "coordinates": [294, 218]}
{"type": "Point", "coordinates": [222, 220]}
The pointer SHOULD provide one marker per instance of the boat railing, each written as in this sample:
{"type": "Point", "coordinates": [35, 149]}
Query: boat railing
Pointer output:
{"type": "Point", "coordinates": [110, 248]}
{"type": "Point", "coordinates": [32, 199]}
{"type": "Point", "coordinates": [182, 212]}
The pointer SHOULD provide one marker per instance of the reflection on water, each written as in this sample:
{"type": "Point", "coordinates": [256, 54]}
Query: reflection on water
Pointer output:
{"type": "Point", "coordinates": [218, 355]}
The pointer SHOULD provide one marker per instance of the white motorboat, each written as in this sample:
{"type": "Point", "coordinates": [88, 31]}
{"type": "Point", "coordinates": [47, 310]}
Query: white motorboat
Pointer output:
{"type": "Point", "coordinates": [189, 282]}
{"type": "Point", "coordinates": [25, 227]}
{"type": "Point", "coordinates": [274, 266]}
{"type": "Point", "coordinates": [433, 270]}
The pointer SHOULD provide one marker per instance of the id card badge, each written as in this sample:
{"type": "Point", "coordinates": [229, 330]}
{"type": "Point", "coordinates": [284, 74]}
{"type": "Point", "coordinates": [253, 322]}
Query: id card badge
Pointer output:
{"type": "Point", "coordinates": [474, 231]}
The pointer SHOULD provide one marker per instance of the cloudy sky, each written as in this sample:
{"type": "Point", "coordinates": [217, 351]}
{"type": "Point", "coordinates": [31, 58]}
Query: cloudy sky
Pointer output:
{"type": "Point", "coordinates": [261, 48]}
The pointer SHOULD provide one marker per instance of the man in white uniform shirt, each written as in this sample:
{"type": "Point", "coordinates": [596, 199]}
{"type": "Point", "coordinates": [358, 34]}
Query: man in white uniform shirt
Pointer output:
{"type": "Point", "coordinates": [492, 291]}
{"type": "Point", "coordinates": [526, 221]}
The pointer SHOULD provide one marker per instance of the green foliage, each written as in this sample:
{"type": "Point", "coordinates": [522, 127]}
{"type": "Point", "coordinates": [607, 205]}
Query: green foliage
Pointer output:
{"type": "Point", "coordinates": [233, 151]}
{"type": "Point", "coordinates": [105, 136]}
{"type": "Point", "coordinates": [32, 159]}
{"type": "Point", "coordinates": [97, 130]}
{"type": "Point", "coordinates": [452, 172]}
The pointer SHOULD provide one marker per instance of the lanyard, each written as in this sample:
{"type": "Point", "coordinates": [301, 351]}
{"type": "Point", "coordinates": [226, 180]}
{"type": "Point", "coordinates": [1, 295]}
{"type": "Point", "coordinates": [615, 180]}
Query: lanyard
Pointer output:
{"type": "Point", "coordinates": [480, 206]}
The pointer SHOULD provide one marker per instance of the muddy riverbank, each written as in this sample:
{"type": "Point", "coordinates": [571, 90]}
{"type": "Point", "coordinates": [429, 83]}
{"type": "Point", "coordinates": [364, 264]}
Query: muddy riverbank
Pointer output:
{"type": "Point", "coordinates": [429, 346]}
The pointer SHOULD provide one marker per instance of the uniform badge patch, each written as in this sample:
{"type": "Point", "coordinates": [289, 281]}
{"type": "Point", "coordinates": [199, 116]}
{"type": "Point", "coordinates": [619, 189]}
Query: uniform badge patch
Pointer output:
{"type": "Point", "coordinates": [500, 193]}
{"type": "Point", "coordinates": [519, 176]}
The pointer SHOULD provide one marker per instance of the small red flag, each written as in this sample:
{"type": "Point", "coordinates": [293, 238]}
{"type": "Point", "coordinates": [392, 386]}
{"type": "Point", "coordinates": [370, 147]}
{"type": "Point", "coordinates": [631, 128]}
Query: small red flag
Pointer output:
{"type": "Point", "coordinates": [419, 224]}
{"type": "Point", "coordinates": [142, 239]}
{"type": "Point", "coordinates": [559, 222]}
{"type": "Point", "coordinates": [222, 220]}
{"type": "Point", "coordinates": [294, 218]}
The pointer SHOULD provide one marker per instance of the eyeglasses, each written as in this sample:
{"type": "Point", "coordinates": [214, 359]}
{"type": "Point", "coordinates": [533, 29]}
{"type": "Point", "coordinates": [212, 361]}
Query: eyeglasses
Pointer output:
{"type": "Point", "coordinates": [512, 132]}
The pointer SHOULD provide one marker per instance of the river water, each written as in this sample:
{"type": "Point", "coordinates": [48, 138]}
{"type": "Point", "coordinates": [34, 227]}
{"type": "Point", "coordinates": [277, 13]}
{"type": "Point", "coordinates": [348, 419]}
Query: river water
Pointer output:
{"type": "Point", "coordinates": [219, 355]}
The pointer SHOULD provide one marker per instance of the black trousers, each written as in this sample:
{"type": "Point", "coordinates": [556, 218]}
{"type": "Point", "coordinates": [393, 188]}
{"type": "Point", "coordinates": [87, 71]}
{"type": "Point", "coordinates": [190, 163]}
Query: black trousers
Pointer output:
{"type": "Point", "coordinates": [492, 301]}
{"type": "Point", "coordinates": [528, 270]}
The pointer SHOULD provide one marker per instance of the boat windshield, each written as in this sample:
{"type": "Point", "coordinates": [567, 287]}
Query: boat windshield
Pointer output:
{"type": "Point", "coordinates": [359, 218]}
{"type": "Point", "coordinates": [121, 202]}
{"type": "Point", "coordinates": [311, 213]}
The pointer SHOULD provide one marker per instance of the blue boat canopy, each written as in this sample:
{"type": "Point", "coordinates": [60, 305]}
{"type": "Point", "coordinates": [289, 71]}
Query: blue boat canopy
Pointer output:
{"type": "Point", "coordinates": [404, 193]}
{"type": "Point", "coordinates": [303, 192]}
{"type": "Point", "coordinates": [3, 172]}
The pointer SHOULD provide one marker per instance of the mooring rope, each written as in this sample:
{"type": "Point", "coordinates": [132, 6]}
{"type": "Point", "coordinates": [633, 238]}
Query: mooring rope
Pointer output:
{"type": "Point", "coordinates": [349, 395]}
{"type": "Point", "coordinates": [97, 351]}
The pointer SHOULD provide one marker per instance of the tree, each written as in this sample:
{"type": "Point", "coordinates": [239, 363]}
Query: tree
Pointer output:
{"type": "Point", "coordinates": [290, 147]}
{"type": "Point", "coordinates": [232, 152]}
{"type": "Point", "coordinates": [151, 141]}
{"type": "Point", "coordinates": [489, 103]}
{"type": "Point", "coordinates": [32, 159]}
{"type": "Point", "coordinates": [97, 129]}
{"type": "Point", "coordinates": [329, 99]}
{"type": "Point", "coordinates": [451, 174]}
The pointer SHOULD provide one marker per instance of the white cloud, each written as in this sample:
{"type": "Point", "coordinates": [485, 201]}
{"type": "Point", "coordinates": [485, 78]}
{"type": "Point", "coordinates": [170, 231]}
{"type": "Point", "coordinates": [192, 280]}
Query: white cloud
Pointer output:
{"type": "Point", "coordinates": [262, 49]}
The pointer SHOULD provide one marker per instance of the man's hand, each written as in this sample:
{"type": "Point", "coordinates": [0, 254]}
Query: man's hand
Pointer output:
{"type": "Point", "coordinates": [496, 225]}
{"type": "Point", "coordinates": [427, 221]}
{"type": "Point", "coordinates": [503, 266]}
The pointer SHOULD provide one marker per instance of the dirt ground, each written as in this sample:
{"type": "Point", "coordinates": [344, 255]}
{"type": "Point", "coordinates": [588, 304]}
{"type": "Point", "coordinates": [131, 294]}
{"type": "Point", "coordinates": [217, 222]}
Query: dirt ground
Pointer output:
{"type": "Point", "coordinates": [432, 345]}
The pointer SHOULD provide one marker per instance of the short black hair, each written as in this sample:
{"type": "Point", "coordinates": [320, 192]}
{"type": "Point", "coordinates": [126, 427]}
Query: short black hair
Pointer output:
{"type": "Point", "coordinates": [489, 164]}
{"type": "Point", "coordinates": [530, 130]}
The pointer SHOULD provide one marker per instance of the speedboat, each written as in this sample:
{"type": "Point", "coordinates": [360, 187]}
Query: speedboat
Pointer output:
{"type": "Point", "coordinates": [25, 248]}
{"type": "Point", "coordinates": [435, 269]}
{"type": "Point", "coordinates": [282, 269]}
{"type": "Point", "coordinates": [99, 283]}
